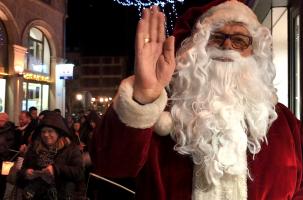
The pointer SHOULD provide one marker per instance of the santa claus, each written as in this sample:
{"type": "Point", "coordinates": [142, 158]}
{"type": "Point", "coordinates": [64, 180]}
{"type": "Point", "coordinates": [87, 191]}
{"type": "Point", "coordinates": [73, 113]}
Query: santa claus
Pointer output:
{"type": "Point", "coordinates": [224, 135]}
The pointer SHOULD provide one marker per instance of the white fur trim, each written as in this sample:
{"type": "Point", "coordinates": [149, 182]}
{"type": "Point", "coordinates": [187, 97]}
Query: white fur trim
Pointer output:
{"type": "Point", "coordinates": [231, 188]}
{"type": "Point", "coordinates": [133, 114]}
{"type": "Point", "coordinates": [232, 11]}
{"type": "Point", "coordinates": [164, 125]}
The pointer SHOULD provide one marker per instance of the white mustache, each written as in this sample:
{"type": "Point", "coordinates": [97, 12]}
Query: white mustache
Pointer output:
{"type": "Point", "coordinates": [213, 52]}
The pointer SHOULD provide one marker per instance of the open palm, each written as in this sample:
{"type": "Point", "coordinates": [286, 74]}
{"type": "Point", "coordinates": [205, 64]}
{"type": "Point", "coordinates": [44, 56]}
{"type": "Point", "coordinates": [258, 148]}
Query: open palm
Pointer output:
{"type": "Point", "coordinates": [154, 61]}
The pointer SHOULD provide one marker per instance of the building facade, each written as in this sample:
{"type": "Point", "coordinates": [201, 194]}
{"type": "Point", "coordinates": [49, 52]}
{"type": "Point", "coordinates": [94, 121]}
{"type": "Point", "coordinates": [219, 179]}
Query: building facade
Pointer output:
{"type": "Point", "coordinates": [284, 19]}
{"type": "Point", "coordinates": [32, 34]}
{"type": "Point", "coordinates": [95, 82]}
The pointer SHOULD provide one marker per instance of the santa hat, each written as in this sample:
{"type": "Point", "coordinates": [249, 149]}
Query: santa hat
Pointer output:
{"type": "Point", "coordinates": [214, 12]}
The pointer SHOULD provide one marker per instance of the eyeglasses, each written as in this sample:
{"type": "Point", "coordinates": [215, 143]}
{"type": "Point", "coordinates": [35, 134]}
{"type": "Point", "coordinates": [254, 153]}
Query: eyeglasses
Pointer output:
{"type": "Point", "coordinates": [238, 41]}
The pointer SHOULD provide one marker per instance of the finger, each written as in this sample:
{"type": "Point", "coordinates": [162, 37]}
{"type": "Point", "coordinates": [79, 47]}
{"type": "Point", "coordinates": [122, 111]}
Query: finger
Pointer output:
{"type": "Point", "coordinates": [167, 61]}
{"type": "Point", "coordinates": [142, 28]}
{"type": "Point", "coordinates": [153, 28]}
{"type": "Point", "coordinates": [169, 49]}
{"type": "Point", "coordinates": [161, 27]}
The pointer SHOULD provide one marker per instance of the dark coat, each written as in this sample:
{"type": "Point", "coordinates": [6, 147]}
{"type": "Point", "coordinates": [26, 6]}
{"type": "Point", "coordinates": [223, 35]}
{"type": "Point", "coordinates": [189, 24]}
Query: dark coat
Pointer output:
{"type": "Point", "coordinates": [24, 136]}
{"type": "Point", "coordinates": [67, 165]}
{"type": "Point", "coordinates": [8, 132]}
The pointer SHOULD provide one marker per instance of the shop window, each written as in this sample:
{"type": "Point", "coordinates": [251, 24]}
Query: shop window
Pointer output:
{"type": "Point", "coordinates": [280, 51]}
{"type": "Point", "coordinates": [35, 94]}
{"type": "Point", "coordinates": [285, 26]}
{"type": "Point", "coordinates": [3, 48]}
{"type": "Point", "coordinates": [45, 97]}
{"type": "Point", "coordinates": [38, 59]}
{"type": "Point", "coordinates": [297, 72]}
{"type": "Point", "coordinates": [2, 94]}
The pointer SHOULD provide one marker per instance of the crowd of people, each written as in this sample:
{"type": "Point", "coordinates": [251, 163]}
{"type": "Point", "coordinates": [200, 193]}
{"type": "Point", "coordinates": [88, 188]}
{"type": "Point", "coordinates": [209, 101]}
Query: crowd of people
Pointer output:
{"type": "Point", "coordinates": [53, 152]}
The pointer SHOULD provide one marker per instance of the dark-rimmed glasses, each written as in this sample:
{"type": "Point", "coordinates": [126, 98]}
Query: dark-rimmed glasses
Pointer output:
{"type": "Point", "coordinates": [238, 41]}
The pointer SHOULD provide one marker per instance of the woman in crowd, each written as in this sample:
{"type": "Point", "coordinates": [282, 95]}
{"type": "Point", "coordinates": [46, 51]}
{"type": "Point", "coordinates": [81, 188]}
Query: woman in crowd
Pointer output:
{"type": "Point", "coordinates": [52, 166]}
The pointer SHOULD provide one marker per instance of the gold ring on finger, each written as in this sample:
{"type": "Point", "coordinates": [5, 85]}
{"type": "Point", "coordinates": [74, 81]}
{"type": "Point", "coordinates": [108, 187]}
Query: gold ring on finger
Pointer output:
{"type": "Point", "coordinates": [146, 40]}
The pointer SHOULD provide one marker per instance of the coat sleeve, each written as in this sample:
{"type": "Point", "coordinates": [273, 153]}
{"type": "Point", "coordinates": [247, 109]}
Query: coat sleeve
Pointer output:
{"type": "Point", "coordinates": [118, 150]}
{"type": "Point", "coordinates": [70, 165]}
{"type": "Point", "coordinates": [122, 139]}
{"type": "Point", "coordinates": [296, 128]}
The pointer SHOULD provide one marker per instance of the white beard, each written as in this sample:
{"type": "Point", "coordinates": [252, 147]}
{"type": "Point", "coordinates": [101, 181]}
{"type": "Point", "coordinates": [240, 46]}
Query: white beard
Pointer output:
{"type": "Point", "coordinates": [221, 109]}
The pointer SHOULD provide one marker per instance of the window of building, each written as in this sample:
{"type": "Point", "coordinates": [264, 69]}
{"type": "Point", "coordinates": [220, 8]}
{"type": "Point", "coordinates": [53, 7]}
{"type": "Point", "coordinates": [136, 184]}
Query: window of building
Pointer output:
{"type": "Point", "coordinates": [38, 59]}
{"type": "Point", "coordinates": [280, 50]}
{"type": "Point", "coordinates": [297, 53]}
{"type": "Point", "coordinates": [111, 82]}
{"type": "Point", "coordinates": [35, 94]}
{"type": "Point", "coordinates": [3, 48]}
{"type": "Point", "coordinates": [285, 26]}
{"type": "Point", "coordinates": [90, 70]}
{"type": "Point", "coordinates": [89, 82]}
{"type": "Point", "coordinates": [2, 94]}
{"type": "Point", "coordinates": [112, 70]}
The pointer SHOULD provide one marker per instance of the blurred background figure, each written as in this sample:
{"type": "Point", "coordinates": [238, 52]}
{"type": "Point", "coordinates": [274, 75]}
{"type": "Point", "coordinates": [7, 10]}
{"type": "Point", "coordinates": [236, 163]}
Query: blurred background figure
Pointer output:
{"type": "Point", "coordinates": [58, 111]}
{"type": "Point", "coordinates": [33, 111]}
{"type": "Point", "coordinates": [69, 121]}
{"type": "Point", "coordinates": [24, 131]}
{"type": "Point", "coordinates": [6, 146]}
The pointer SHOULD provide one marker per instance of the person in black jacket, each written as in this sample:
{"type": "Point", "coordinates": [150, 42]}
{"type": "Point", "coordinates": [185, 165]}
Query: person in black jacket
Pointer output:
{"type": "Point", "coordinates": [52, 165]}
{"type": "Point", "coordinates": [7, 145]}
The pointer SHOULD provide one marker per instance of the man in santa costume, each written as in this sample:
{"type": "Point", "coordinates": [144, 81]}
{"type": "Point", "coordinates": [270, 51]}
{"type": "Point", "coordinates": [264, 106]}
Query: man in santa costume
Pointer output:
{"type": "Point", "coordinates": [224, 134]}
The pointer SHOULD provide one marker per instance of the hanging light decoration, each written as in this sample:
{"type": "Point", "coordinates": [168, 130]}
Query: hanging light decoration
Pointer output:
{"type": "Point", "coordinates": [166, 6]}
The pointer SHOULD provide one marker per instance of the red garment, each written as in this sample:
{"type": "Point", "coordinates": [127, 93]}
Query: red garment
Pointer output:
{"type": "Point", "coordinates": [163, 174]}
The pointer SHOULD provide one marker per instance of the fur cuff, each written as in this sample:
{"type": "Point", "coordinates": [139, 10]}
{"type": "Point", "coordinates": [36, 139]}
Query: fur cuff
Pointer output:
{"type": "Point", "coordinates": [133, 114]}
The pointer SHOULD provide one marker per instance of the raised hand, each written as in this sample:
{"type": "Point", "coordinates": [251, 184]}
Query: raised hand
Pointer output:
{"type": "Point", "coordinates": [154, 59]}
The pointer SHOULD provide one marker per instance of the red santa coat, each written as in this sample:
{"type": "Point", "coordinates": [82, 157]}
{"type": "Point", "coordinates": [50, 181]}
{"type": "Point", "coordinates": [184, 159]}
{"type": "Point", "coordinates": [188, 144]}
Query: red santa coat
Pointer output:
{"type": "Point", "coordinates": [163, 174]}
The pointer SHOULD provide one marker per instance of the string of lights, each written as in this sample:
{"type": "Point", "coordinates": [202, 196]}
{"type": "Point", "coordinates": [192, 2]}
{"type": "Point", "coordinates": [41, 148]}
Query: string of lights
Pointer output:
{"type": "Point", "coordinates": [167, 6]}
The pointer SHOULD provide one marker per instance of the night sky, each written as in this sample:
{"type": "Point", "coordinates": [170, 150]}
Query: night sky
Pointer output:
{"type": "Point", "coordinates": [96, 27]}
{"type": "Point", "coordinates": [104, 27]}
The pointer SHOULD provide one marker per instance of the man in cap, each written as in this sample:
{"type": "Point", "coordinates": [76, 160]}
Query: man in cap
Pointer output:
{"type": "Point", "coordinates": [225, 135]}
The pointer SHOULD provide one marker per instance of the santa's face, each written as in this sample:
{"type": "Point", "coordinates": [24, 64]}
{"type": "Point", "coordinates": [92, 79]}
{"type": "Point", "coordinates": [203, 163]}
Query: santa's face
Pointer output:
{"type": "Point", "coordinates": [232, 36]}
{"type": "Point", "coordinates": [222, 100]}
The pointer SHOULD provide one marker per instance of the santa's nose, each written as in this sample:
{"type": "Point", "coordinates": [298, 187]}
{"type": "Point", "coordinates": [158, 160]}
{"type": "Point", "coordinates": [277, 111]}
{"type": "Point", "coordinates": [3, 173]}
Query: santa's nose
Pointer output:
{"type": "Point", "coordinates": [227, 44]}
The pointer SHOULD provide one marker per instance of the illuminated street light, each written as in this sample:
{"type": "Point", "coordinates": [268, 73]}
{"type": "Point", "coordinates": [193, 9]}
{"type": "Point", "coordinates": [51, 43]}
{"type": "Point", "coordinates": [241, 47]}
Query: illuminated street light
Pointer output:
{"type": "Point", "coordinates": [79, 97]}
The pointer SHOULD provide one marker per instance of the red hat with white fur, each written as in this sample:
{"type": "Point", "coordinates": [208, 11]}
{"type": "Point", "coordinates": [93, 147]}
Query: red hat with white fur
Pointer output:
{"type": "Point", "coordinates": [215, 11]}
